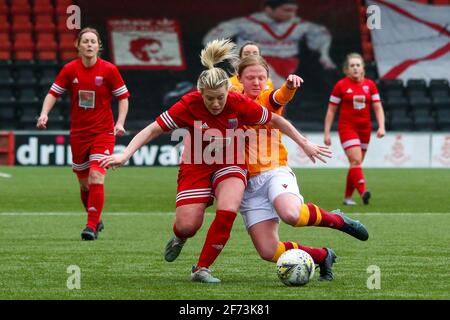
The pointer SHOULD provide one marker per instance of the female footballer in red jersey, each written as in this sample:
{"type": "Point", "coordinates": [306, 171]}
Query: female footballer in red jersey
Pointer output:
{"type": "Point", "coordinates": [91, 82]}
{"type": "Point", "coordinates": [213, 113]}
{"type": "Point", "coordinates": [354, 95]}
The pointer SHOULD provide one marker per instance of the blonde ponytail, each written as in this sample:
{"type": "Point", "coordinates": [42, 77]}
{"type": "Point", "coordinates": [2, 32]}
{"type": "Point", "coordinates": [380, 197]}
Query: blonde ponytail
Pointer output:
{"type": "Point", "coordinates": [215, 52]}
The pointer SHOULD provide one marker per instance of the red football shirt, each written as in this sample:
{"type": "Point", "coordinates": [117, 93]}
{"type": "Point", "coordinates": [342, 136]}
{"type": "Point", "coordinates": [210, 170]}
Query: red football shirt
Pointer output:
{"type": "Point", "coordinates": [91, 90]}
{"type": "Point", "coordinates": [215, 131]}
{"type": "Point", "coordinates": [354, 99]}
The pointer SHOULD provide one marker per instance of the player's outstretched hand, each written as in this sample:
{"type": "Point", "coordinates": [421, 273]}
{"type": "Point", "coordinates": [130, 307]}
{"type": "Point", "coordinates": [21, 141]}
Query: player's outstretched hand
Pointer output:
{"type": "Point", "coordinates": [114, 161]}
{"type": "Point", "coordinates": [315, 151]}
{"type": "Point", "coordinates": [42, 122]}
{"type": "Point", "coordinates": [293, 81]}
{"type": "Point", "coordinates": [119, 130]}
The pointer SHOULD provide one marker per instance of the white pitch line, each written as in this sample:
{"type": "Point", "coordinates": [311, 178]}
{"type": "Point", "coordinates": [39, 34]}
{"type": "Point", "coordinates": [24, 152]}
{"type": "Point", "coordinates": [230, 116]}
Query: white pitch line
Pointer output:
{"type": "Point", "coordinates": [5, 175]}
{"type": "Point", "coordinates": [173, 213]}
{"type": "Point", "coordinates": [84, 213]}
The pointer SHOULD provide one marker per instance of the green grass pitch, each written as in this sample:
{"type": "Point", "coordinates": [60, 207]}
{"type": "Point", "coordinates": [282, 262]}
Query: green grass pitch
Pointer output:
{"type": "Point", "coordinates": [41, 218]}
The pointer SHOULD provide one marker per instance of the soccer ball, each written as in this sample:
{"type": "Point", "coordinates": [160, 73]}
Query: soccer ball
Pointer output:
{"type": "Point", "coordinates": [295, 267]}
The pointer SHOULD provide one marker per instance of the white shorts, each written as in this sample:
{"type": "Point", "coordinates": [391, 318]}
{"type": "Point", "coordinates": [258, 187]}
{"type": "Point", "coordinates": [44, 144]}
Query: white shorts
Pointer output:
{"type": "Point", "coordinates": [262, 190]}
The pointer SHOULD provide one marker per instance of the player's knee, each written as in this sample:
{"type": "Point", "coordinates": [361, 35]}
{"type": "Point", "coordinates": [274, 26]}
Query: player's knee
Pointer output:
{"type": "Point", "coordinates": [188, 228]}
{"type": "Point", "coordinates": [96, 177]}
{"type": "Point", "coordinates": [289, 214]}
{"type": "Point", "coordinates": [266, 253]}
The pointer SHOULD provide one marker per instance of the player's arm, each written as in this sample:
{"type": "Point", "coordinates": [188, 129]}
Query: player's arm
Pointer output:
{"type": "Point", "coordinates": [287, 91]}
{"type": "Point", "coordinates": [47, 106]}
{"type": "Point", "coordinates": [329, 118]}
{"type": "Point", "coordinates": [119, 128]}
{"type": "Point", "coordinates": [312, 150]}
{"type": "Point", "coordinates": [146, 135]}
{"type": "Point", "coordinates": [379, 115]}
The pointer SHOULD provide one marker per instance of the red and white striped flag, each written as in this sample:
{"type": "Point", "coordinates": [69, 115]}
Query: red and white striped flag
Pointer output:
{"type": "Point", "coordinates": [414, 40]}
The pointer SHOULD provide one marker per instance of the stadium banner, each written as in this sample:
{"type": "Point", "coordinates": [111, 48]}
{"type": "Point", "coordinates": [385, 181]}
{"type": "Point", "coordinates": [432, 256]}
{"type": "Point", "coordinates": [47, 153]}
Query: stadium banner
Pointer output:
{"type": "Point", "coordinates": [395, 150]}
{"type": "Point", "coordinates": [53, 149]}
{"type": "Point", "coordinates": [146, 44]}
{"type": "Point", "coordinates": [413, 40]}
{"type": "Point", "coordinates": [440, 152]}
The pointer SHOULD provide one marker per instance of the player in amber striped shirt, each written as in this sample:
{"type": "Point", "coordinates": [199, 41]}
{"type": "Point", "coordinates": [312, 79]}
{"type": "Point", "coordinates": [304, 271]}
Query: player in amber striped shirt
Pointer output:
{"type": "Point", "coordinates": [272, 192]}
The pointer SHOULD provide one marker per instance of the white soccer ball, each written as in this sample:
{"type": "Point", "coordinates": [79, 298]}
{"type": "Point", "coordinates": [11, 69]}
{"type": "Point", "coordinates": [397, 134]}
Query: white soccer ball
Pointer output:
{"type": "Point", "coordinates": [295, 267]}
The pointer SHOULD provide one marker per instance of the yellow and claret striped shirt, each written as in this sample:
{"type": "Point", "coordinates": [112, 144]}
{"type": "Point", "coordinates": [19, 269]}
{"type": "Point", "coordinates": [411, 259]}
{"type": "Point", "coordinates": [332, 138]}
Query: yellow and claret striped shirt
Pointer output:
{"type": "Point", "coordinates": [264, 150]}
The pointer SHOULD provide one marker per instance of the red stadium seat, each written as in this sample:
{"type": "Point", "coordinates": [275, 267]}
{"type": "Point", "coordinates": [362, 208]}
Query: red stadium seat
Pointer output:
{"type": "Point", "coordinates": [23, 41]}
{"type": "Point", "coordinates": [66, 41]}
{"type": "Point", "coordinates": [47, 3]}
{"type": "Point", "coordinates": [46, 55]}
{"type": "Point", "coordinates": [24, 55]}
{"type": "Point", "coordinates": [44, 24]}
{"type": "Point", "coordinates": [68, 55]}
{"type": "Point", "coordinates": [5, 55]}
{"type": "Point", "coordinates": [46, 42]}
{"type": "Point", "coordinates": [4, 24]}
{"type": "Point", "coordinates": [5, 43]}
{"type": "Point", "coordinates": [43, 10]}
{"type": "Point", "coordinates": [21, 24]}
{"type": "Point", "coordinates": [61, 7]}
{"type": "Point", "coordinates": [20, 7]}
{"type": "Point", "coordinates": [4, 8]}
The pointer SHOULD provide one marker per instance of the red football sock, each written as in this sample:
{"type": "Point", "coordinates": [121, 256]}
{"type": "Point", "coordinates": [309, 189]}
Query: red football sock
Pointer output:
{"type": "Point", "coordinates": [95, 204]}
{"type": "Point", "coordinates": [217, 237]}
{"type": "Point", "coordinates": [312, 215]}
{"type": "Point", "coordinates": [318, 254]}
{"type": "Point", "coordinates": [84, 198]}
{"type": "Point", "coordinates": [349, 187]}
{"type": "Point", "coordinates": [357, 177]}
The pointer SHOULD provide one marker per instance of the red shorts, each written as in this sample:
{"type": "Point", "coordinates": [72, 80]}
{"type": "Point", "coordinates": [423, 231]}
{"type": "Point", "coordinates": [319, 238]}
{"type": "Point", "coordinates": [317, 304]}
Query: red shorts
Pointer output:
{"type": "Point", "coordinates": [196, 183]}
{"type": "Point", "coordinates": [353, 137]}
{"type": "Point", "coordinates": [86, 152]}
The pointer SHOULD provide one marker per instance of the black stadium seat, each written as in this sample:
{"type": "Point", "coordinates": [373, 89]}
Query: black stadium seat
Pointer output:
{"type": "Point", "coordinates": [420, 104]}
{"type": "Point", "coordinates": [396, 105]}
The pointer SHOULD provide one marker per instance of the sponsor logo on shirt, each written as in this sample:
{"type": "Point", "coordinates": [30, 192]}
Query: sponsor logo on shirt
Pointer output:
{"type": "Point", "coordinates": [349, 90]}
{"type": "Point", "coordinates": [75, 80]}
{"type": "Point", "coordinates": [205, 126]}
{"type": "Point", "coordinates": [366, 89]}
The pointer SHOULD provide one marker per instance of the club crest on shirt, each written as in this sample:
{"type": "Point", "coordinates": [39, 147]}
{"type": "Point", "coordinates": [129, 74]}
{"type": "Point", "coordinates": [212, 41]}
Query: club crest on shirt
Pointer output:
{"type": "Point", "coordinates": [232, 123]}
{"type": "Point", "coordinates": [98, 81]}
{"type": "Point", "coordinates": [366, 89]}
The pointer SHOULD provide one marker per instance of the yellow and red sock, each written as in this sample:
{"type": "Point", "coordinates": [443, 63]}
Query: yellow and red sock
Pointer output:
{"type": "Point", "coordinates": [217, 237]}
{"type": "Point", "coordinates": [95, 205]}
{"type": "Point", "coordinates": [312, 215]}
{"type": "Point", "coordinates": [318, 254]}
